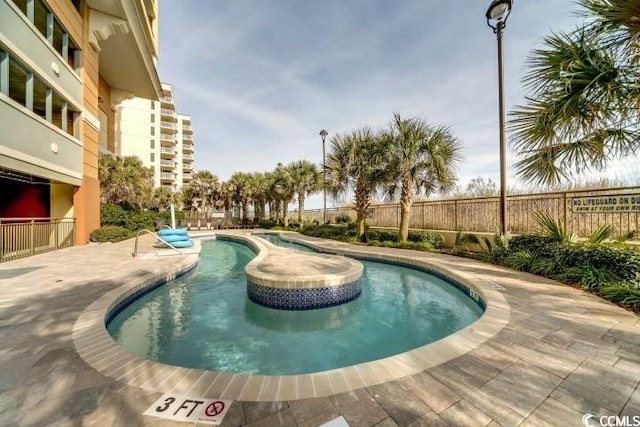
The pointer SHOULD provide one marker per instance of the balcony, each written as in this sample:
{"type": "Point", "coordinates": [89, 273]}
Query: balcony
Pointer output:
{"type": "Point", "coordinates": [167, 176]}
{"type": "Point", "coordinates": [167, 152]}
{"type": "Point", "coordinates": [166, 99]}
{"type": "Point", "coordinates": [186, 177]}
{"type": "Point", "coordinates": [187, 158]}
{"type": "Point", "coordinates": [187, 148]}
{"type": "Point", "coordinates": [168, 138]}
{"type": "Point", "coordinates": [168, 125]}
{"type": "Point", "coordinates": [187, 129]}
{"type": "Point", "coordinates": [187, 167]}
{"type": "Point", "coordinates": [187, 137]}
{"type": "Point", "coordinates": [167, 114]}
{"type": "Point", "coordinates": [167, 164]}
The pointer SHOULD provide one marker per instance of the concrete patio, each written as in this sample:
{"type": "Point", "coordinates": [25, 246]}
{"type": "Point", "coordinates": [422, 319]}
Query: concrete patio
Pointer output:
{"type": "Point", "coordinates": [563, 353]}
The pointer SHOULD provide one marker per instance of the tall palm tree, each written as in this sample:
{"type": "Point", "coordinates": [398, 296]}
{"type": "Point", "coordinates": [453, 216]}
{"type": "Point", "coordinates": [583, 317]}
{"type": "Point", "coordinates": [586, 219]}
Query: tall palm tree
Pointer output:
{"type": "Point", "coordinates": [202, 192]}
{"type": "Point", "coordinates": [161, 198]}
{"type": "Point", "coordinates": [283, 191]}
{"type": "Point", "coordinates": [306, 180]}
{"type": "Point", "coordinates": [242, 194]}
{"type": "Point", "coordinates": [583, 107]}
{"type": "Point", "coordinates": [354, 165]}
{"type": "Point", "coordinates": [419, 159]}
{"type": "Point", "coordinates": [124, 180]}
{"type": "Point", "coordinates": [259, 188]}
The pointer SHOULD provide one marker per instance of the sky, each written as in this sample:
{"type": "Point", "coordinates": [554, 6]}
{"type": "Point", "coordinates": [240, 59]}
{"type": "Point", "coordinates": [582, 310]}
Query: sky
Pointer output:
{"type": "Point", "coordinates": [261, 78]}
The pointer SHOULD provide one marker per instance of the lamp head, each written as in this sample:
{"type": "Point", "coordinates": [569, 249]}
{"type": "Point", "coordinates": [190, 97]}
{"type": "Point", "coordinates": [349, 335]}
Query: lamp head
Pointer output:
{"type": "Point", "coordinates": [323, 134]}
{"type": "Point", "coordinates": [497, 14]}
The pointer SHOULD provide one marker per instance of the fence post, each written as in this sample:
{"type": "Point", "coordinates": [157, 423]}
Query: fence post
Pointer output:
{"type": "Point", "coordinates": [32, 237]}
{"type": "Point", "coordinates": [564, 211]}
{"type": "Point", "coordinates": [55, 234]}
{"type": "Point", "coordinates": [455, 214]}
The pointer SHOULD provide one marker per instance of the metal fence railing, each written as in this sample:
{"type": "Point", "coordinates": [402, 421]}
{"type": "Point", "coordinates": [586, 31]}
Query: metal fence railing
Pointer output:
{"type": "Point", "coordinates": [23, 237]}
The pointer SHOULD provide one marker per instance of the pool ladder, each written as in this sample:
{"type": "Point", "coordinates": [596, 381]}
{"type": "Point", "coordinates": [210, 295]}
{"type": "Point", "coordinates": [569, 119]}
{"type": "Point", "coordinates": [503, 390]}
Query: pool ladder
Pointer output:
{"type": "Point", "coordinates": [135, 249]}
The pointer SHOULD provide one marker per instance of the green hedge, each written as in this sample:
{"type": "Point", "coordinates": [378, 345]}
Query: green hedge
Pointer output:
{"type": "Point", "coordinates": [611, 270]}
{"type": "Point", "coordinates": [110, 233]}
{"type": "Point", "coordinates": [132, 219]}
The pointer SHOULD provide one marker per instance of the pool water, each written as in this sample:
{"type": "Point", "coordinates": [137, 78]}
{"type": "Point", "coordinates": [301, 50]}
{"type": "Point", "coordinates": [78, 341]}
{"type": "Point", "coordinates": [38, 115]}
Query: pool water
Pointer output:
{"type": "Point", "coordinates": [204, 319]}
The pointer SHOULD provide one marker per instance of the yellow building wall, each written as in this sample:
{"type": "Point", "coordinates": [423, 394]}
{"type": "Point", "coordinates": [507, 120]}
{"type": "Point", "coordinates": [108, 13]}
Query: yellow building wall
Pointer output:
{"type": "Point", "coordinates": [62, 200]}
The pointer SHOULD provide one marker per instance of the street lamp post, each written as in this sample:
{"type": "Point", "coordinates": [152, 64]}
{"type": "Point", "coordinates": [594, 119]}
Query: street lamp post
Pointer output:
{"type": "Point", "coordinates": [323, 135]}
{"type": "Point", "coordinates": [497, 15]}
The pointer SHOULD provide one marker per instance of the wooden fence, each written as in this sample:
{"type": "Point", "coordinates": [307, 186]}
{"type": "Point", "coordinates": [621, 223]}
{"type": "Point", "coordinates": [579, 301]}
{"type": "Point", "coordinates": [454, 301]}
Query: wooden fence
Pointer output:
{"type": "Point", "coordinates": [580, 212]}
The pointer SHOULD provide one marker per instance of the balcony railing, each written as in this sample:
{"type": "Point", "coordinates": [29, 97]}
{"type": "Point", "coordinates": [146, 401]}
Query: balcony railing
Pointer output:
{"type": "Point", "coordinates": [187, 166]}
{"type": "Point", "coordinates": [170, 138]}
{"type": "Point", "coordinates": [170, 163]}
{"type": "Point", "coordinates": [23, 237]}
{"type": "Point", "coordinates": [186, 176]}
{"type": "Point", "coordinates": [167, 175]}
{"type": "Point", "coordinates": [167, 150]}
{"type": "Point", "coordinates": [170, 125]}
{"type": "Point", "coordinates": [186, 127]}
{"type": "Point", "coordinates": [166, 99]}
{"type": "Point", "coordinates": [187, 137]}
{"type": "Point", "coordinates": [187, 157]}
{"type": "Point", "coordinates": [168, 112]}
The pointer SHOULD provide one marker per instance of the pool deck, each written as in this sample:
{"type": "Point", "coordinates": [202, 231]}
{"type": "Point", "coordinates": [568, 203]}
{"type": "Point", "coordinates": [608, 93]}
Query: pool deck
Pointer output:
{"type": "Point", "coordinates": [561, 353]}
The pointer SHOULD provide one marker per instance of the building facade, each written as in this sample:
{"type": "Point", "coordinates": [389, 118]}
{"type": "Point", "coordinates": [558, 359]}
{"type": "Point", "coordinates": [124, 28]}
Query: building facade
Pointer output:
{"type": "Point", "coordinates": [64, 67]}
{"type": "Point", "coordinates": [163, 139]}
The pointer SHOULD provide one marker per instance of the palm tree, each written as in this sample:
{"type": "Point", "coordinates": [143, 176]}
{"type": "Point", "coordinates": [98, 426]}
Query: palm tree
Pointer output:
{"type": "Point", "coordinates": [124, 180]}
{"type": "Point", "coordinates": [259, 187]}
{"type": "Point", "coordinates": [306, 180]}
{"type": "Point", "coordinates": [419, 158]}
{"type": "Point", "coordinates": [584, 100]}
{"type": "Point", "coordinates": [202, 192]}
{"type": "Point", "coordinates": [242, 194]}
{"type": "Point", "coordinates": [161, 198]}
{"type": "Point", "coordinates": [283, 191]}
{"type": "Point", "coordinates": [354, 164]}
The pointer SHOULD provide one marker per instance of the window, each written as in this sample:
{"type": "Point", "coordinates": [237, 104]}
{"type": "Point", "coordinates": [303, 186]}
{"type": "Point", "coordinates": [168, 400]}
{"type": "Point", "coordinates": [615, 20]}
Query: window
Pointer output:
{"type": "Point", "coordinates": [31, 92]}
{"type": "Point", "coordinates": [153, 118]}
{"type": "Point", "coordinates": [153, 144]}
{"type": "Point", "coordinates": [153, 104]}
{"type": "Point", "coordinates": [40, 98]}
{"type": "Point", "coordinates": [17, 82]}
{"type": "Point", "coordinates": [52, 30]}
{"type": "Point", "coordinates": [153, 130]}
{"type": "Point", "coordinates": [153, 157]}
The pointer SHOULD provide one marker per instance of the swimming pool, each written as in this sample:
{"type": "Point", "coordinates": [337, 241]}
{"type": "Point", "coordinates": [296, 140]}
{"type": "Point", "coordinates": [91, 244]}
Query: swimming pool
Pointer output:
{"type": "Point", "coordinates": [204, 320]}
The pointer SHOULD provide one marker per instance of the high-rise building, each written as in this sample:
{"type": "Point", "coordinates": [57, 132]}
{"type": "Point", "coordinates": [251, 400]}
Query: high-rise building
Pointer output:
{"type": "Point", "coordinates": [65, 65]}
{"type": "Point", "coordinates": [163, 139]}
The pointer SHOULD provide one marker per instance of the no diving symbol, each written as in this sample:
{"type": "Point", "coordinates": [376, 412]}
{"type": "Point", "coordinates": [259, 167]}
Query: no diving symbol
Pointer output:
{"type": "Point", "coordinates": [214, 408]}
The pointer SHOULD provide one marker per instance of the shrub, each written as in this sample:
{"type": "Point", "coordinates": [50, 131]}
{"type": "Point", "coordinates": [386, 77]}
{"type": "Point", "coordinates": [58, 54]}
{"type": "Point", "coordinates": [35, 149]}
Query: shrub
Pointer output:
{"type": "Point", "coordinates": [110, 233]}
{"type": "Point", "coordinates": [627, 295]}
{"type": "Point", "coordinates": [267, 223]}
{"type": "Point", "coordinates": [382, 235]}
{"type": "Point", "coordinates": [434, 239]}
{"type": "Point", "coordinates": [596, 265]}
{"type": "Point", "coordinates": [134, 219]}
{"type": "Point", "coordinates": [112, 215]}
{"type": "Point", "coordinates": [343, 219]}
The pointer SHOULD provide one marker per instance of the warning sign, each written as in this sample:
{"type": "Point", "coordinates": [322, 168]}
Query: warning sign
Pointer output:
{"type": "Point", "coordinates": [191, 409]}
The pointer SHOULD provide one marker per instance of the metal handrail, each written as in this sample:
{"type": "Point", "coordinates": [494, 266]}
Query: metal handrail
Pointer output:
{"type": "Point", "coordinates": [135, 249]}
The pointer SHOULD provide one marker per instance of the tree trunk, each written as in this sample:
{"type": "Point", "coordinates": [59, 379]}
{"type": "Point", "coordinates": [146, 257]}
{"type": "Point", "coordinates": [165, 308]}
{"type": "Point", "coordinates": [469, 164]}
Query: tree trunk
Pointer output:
{"type": "Point", "coordinates": [300, 207]}
{"type": "Point", "coordinates": [361, 206]}
{"type": "Point", "coordinates": [405, 210]}
{"type": "Point", "coordinates": [285, 216]}
{"type": "Point", "coordinates": [277, 209]}
{"type": "Point", "coordinates": [245, 209]}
